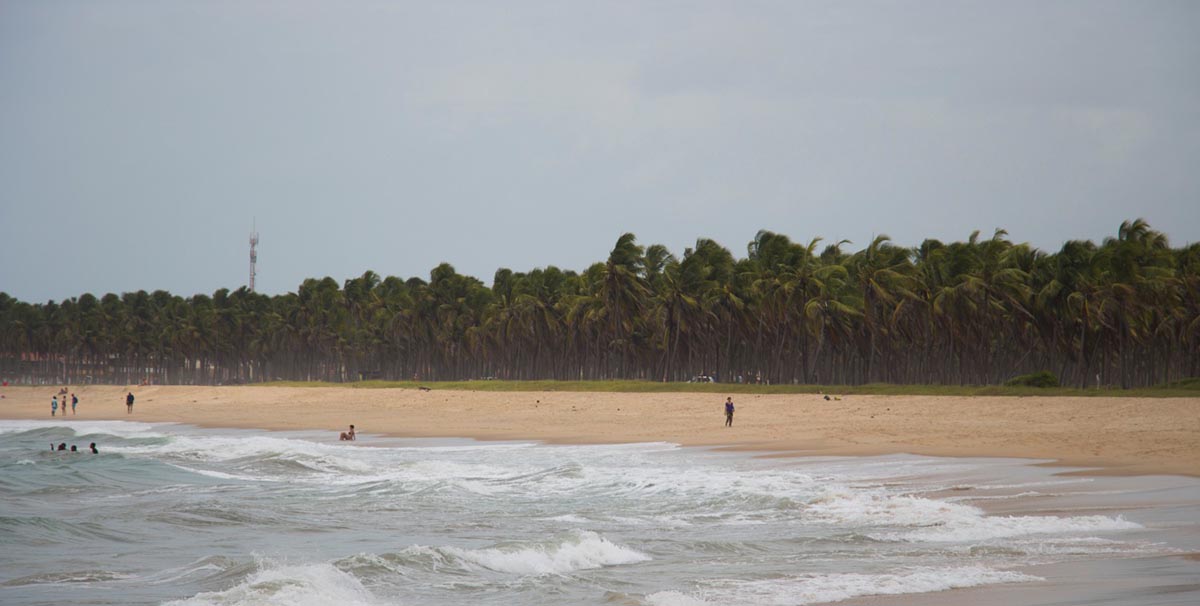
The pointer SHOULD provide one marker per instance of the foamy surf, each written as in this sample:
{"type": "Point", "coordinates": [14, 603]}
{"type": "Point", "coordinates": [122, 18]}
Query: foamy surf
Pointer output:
{"type": "Point", "coordinates": [277, 584]}
{"type": "Point", "coordinates": [983, 528]}
{"type": "Point", "coordinates": [932, 520]}
{"type": "Point", "coordinates": [814, 589]}
{"type": "Point", "coordinates": [583, 551]}
{"type": "Point", "coordinates": [172, 514]}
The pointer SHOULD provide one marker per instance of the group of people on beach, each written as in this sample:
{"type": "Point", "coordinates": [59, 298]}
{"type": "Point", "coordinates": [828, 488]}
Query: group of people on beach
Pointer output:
{"type": "Point", "coordinates": [75, 403]}
{"type": "Point", "coordinates": [54, 403]}
{"type": "Point", "coordinates": [63, 446]}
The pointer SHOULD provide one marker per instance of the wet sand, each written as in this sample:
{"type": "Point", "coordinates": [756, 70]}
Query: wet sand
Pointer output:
{"type": "Point", "coordinates": [1107, 435]}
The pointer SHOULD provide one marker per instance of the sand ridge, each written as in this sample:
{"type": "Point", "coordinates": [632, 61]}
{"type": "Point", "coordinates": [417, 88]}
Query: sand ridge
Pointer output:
{"type": "Point", "coordinates": [1117, 435]}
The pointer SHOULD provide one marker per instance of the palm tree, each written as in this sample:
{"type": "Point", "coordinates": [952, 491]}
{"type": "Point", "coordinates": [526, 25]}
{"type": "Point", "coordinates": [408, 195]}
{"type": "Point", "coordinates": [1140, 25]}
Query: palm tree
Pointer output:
{"type": "Point", "coordinates": [882, 272]}
{"type": "Point", "coordinates": [623, 293]}
{"type": "Point", "coordinates": [1125, 312]}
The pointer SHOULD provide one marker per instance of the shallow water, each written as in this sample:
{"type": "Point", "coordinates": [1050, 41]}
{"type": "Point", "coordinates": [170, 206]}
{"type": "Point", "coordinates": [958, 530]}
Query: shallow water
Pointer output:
{"type": "Point", "coordinates": [181, 515]}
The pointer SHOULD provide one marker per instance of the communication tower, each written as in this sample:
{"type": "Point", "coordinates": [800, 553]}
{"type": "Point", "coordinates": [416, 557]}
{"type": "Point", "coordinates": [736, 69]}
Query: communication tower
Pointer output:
{"type": "Point", "coordinates": [253, 256]}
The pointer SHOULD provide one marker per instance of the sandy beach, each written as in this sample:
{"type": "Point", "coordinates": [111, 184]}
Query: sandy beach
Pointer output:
{"type": "Point", "coordinates": [1113, 435]}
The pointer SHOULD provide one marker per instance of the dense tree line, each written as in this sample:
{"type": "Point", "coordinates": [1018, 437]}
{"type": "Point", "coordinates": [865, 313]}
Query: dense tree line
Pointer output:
{"type": "Point", "coordinates": [1125, 312]}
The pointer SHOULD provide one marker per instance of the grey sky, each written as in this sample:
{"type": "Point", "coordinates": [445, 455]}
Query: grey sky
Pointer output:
{"type": "Point", "coordinates": [139, 140]}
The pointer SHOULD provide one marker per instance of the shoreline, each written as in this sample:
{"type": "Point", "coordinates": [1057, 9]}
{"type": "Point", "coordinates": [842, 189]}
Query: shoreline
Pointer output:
{"type": "Point", "coordinates": [1096, 435]}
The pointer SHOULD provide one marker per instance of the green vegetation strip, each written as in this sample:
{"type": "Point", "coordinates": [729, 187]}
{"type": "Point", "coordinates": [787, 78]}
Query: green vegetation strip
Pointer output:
{"type": "Point", "coordinates": [1179, 389]}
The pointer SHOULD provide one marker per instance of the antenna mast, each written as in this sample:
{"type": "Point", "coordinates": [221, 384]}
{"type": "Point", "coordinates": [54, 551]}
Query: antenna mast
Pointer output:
{"type": "Point", "coordinates": [253, 255]}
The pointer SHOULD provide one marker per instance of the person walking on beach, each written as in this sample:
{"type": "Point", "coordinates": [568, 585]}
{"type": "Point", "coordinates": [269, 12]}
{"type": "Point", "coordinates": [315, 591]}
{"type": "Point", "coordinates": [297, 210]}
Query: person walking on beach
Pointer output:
{"type": "Point", "coordinates": [74, 403]}
{"type": "Point", "coordinates": [129, 403]}
{"type": "Point", "coordinates": [729, 411]}
{"type": "Point", "coordinates": [54, 406]}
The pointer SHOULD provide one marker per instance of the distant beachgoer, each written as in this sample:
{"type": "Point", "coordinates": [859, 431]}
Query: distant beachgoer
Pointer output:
{"type": "Point", "coordinates": [73, 449]}
{"type": "Point", "coordinates": [93, 447]}
{"type": "Point", "coordinates": [129, 403]}
{"type": "Point", "coordinates": [74, 403]}
{"type": "Point", "coordinates": [62, 446]}
{"type": "Point", "coordinates": [729, 411]}
{"type": "Point", "coordinates": [348, 435]}
{"type": "Point", "coordinates": [54, 406]}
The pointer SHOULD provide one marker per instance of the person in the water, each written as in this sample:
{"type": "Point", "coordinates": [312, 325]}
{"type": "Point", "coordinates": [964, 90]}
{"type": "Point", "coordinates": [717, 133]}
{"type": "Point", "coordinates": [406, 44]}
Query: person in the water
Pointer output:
{"type": "Point", "coordinates": [94, 451]}
{"type": "Point", "coordinates": [347, 435]}
{"type": "Point", "coordinates": [62, 446]}
{"type": "Point", "coordinates": [73, 449]}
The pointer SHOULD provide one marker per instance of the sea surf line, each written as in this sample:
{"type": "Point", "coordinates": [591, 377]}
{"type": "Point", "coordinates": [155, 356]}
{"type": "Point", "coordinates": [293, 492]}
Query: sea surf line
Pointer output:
{"type": "Point", "coordinates": [182, 515]}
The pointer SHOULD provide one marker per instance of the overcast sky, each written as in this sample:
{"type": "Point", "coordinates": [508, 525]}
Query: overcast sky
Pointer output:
{"type": "Point", "coordinates": [139, 141]}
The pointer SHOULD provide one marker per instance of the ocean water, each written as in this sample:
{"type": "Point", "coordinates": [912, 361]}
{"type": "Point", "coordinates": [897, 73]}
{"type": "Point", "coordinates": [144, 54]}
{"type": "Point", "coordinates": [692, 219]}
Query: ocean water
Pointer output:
{"type": "Point", "coordinates": [172, 514]}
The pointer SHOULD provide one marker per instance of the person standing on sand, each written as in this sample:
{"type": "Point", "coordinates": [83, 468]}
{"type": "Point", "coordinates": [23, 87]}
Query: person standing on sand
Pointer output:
{"type": "Point", "coordinates": [54, 406]}
{"type": "Point", "coordinates": [129, 403]}
{"type": "Point", "coordinates": [74, 403]}
{"type": "Point", "coordinates": [729, 411]}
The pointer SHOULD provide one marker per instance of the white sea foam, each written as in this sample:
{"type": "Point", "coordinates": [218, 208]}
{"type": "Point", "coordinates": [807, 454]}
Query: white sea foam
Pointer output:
{"type": "Point", "coordinates": [583, 551]}
{"type": "Point", "coordinates": [289, 585]}
{"type": "Point", "coordinates": [836, 587]}
{"type": "Point", "coordinates": [1033, 484]}
{"type": "Point", "coordinates": [995, 527]}
{"type": "Point", "coordinates": [335, 464]}
{"type": "Point", "coordinates": [673, 598]}
{"type": "Point", "coordinates": [842, 505]}
{"type": "Point", "coordinates": [943, 521]}
{"type": "Point", "coordinates": [1002, 497]}
{"type": "Point", "coordinates": [68, 577]}
{"type": "Point", "coordinates": [229, 448]}
{"type": "Point", "coordinates": [1085, 546]}
{"type": "Point", "coordinates": [202, 566]}
{"type": "Point", "coordinates": [722, 528]}
{"type": "Point", "coordinates": [119, 429]}
{"type": "Point", "coordinates": [571, 518]}
{"type": "Point", "coordinates": [220, 474]}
